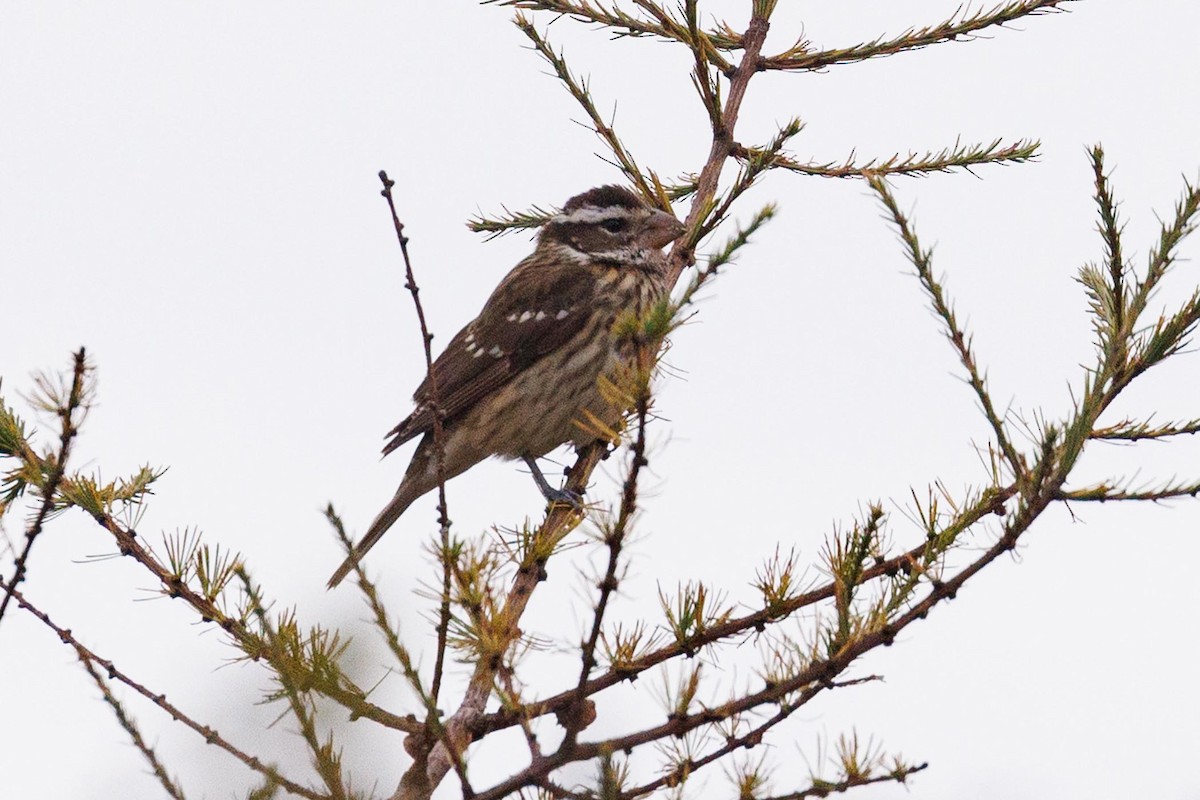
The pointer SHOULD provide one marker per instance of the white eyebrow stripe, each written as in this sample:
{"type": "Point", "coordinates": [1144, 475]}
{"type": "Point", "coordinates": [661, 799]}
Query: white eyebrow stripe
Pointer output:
{"type": "Point", "coordinates": [589, 214]}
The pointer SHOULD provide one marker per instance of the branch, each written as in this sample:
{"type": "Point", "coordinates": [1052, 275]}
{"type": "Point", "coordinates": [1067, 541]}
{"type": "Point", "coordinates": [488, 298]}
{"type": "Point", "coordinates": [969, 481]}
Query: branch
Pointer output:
{"type": "Point", "coordinates": [1167, 335]}
{"type": "Point", "coordinates": [64, 408]}
{"type": "Point", "coordinates": [820, 673]}
{"type": "Point", "coordinates": [439, 454]}
{"type": "Point", "coordinates": [776, 610]}
{"type": "Point", "coordinates": [1113, 301]}
{"type": "Point", "coordinates": [823, 789]}
{"type": "Point", "coordinates": [754, 737]}
{"type": "Point", "coordinates": [723, 145]}
{"type": "Point", "coordinates": [125, 721]}
{"type": "Point", "coordinates": [1104, 492]}
{"type": "Point", "coordinates": [421, 778]}
{"type": "Point", "coordinates": [949, 158]}
{"type": "Point", "coordinates": [285, 647]}
{"type": "Point", "coordinates": [511, 221]}
{"type": "Point", "coordinates": [579, 90]}
{"type": "Point", "coordinates": [90, 659]}
{"type": "Point", "coordinates": [646, 349]}
{"type": "Point", "coordinates": [921, 261]}
{"type": "Point", "coordinates": [722, 257]}
{"type": "Point", "coordinates": [663, 26]}
{"type": "Point", "coordinates": [206, 605]}
{"type": "Point", "coordinates": [1131, 431]}
{"type": "Point", "coordinates": [952, 29]}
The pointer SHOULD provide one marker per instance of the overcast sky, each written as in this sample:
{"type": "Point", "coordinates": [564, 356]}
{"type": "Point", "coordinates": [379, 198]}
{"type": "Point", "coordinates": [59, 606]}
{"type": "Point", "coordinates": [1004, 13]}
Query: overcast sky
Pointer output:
{"type": "Point", "coordinates": [188, 190]}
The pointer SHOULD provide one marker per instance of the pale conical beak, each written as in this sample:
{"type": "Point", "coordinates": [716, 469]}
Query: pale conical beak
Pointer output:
{"type": "Point", "coordinates": [660, 230]}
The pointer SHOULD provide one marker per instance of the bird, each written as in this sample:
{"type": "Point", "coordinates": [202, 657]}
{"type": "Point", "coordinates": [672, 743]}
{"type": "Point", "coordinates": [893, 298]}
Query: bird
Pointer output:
{"type": "Point", "coordinates": [518, 380]}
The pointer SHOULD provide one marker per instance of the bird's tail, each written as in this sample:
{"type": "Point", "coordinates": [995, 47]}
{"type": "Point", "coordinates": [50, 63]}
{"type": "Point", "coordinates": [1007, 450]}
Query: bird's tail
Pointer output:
{"type": "Point", "coordinates": [403, 498]}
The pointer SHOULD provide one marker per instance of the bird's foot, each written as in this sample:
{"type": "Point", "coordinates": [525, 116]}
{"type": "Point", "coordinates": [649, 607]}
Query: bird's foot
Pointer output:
{"type": "Point", "coordinates": [564, 497]}
{"type": "Point", "coordinates": [552, 495]}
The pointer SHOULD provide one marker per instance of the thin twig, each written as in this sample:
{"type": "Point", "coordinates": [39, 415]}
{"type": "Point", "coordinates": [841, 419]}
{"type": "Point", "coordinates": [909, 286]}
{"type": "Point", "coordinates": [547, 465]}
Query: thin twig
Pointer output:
{"type": "Point", "coordinates": [420, 779]}
{"type": "Point", "coordinates": [752, 738]}
{"type": "Point", "coordinates": [410, 283]}
{"type": "Point", "coordinates": [325, 759]}
{"type": "Point", "coordinates": [808, 681]}
{"type": "Point", "coordinates": [723, 146]}
{"type": "Point", "coordinates": [1110, 230]}
{"type": "Point", "coordinates": [730, 629]}
{"type": "Point", "coordinates": [68, 427]}
{"type": "Point", "coordinates": [826, 788]}
{"type": "Point", "coordinates": [1129, 431]}
{"type": "Point", "coordinates": [950, 30]}
{"type": "Point", "coordinates": [614, 539]}
{"type": "Point", "coordinates": [944, 160]}
{"type": "Point", "coordinates": [1106, 492]}
{"type": "Point", "coordinates": [135, 735]}
{"type": "Point", "coordinates": [921, 261]}
{"type": "Point", "coordinates": [210, 735]}
{"type": "Point", "coordinates": [207, 607]}
{"type": "Point", "coordinates": [665, 27]}
{"type": "Point", "coordinates": [579, 90]}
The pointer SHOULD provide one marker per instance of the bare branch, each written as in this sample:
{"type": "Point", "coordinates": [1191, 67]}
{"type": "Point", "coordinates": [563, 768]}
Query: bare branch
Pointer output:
{"type": "Point", "coordinates": [439, 452]}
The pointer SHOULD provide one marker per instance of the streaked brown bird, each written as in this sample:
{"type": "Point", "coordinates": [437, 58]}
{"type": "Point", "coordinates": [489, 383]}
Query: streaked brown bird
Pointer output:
{"type": "Point", "coordinates": [518, 379]}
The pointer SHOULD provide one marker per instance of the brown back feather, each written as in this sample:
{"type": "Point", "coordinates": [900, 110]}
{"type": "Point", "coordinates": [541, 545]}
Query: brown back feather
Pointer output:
{"type": "Point", "coordinates": [521, 322]}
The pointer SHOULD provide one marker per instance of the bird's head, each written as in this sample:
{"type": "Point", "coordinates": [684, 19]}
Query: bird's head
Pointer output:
{"type": "Point", "coordinates": [611, 224]}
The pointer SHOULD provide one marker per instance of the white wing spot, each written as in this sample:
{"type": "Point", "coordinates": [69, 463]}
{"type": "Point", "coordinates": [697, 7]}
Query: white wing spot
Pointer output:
{"type": "Point", "coordinates": [539, 316]}
{"type": "Point", "coordinates": [495, 352]}
{"type": "Point", "coordinates": [562, 314]}
{"type": "Point", "coordinates": [479, 352]}
{"type": "Point", "coordinates": [525, 316]}
{"type": "Point", "coordinates": [511, 318]}
{"type": "Point", "coordinates": [470, 338]}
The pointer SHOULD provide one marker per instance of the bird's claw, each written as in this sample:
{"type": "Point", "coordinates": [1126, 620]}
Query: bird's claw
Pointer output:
{"type": "Point", "coordinates": [553, 496]}
{"type": "Point", "coordinates": [564, 497]}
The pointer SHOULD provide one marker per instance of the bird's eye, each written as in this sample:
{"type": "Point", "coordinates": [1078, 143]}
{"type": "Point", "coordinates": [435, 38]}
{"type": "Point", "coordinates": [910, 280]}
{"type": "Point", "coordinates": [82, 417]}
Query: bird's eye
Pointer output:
{"type": "Point", "coordinates": [615, 225]}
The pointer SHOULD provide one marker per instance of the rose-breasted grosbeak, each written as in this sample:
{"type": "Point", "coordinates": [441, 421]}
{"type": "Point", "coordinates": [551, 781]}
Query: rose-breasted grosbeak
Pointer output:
{"type": "Point", "coordinates": [519, 378]}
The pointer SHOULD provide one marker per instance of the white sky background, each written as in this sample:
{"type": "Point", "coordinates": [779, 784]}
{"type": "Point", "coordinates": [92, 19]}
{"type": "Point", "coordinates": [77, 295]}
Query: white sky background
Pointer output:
{"type": "Point", "coordinates": [189, 191]}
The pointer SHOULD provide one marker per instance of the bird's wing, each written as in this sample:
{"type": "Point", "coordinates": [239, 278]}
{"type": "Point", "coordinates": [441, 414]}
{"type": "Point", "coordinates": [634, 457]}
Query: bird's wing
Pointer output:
{"type": "Point", "coordinates": [536, 309]}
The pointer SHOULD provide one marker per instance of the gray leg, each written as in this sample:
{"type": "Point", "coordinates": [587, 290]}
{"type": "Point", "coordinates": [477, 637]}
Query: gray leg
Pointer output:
{"type": "Point", "coordinates": [551, 494]}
